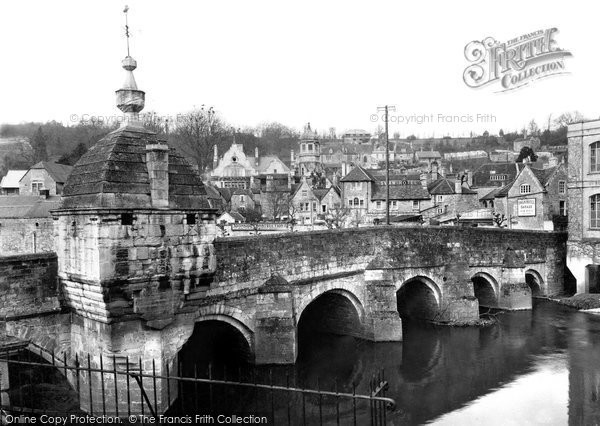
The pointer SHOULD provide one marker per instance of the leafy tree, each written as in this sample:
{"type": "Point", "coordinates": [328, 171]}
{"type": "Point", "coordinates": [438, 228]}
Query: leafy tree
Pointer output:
{"type": "Point", "coordinates": [526, 152]}
{"type": "Point", "coordinates": [38, 143]}
{"type": "Point", "coordinates": [74, 156]}
{"type": "Point", "coordinates": [533, 129]}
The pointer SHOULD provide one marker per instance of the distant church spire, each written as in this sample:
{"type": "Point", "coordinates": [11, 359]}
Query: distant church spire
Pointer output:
{"type": "Point", "coordinates": [130, 100]}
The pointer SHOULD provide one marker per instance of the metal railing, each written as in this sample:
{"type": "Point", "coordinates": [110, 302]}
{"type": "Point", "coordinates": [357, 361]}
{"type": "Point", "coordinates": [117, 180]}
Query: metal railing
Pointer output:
{"type": "Point", "coordinates": [118, 387]}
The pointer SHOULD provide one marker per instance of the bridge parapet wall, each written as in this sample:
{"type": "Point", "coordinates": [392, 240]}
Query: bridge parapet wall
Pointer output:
{"type": "Point", "coordinates": [310, 255]}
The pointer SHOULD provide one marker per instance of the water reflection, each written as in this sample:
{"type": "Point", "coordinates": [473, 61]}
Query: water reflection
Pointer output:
{"type": "Point", "coordinates": [533, 367]}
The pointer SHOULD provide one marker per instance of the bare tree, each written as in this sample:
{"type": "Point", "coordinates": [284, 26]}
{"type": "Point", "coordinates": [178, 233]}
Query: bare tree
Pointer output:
{"type": "Point", "coordinates": [567, 118]}
{"type": "Point", "coordinates": [197, 132]}
{"type": "Point", "coordinates": [336, 217]}
{"type": "Point", "coordinates": [276, 204]}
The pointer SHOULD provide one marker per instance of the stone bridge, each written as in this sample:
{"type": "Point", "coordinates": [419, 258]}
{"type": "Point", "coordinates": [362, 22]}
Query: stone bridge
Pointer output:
{"type": "Point", "coordinates": [354, 281]}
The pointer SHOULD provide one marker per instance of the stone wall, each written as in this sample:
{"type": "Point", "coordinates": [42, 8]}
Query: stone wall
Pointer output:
{"type": "Point", "coordinates": [28, 285]}
{"type": "Point", "coordinates": [19, 236]}
{"type": "Point", "coordinates": [250, 261]}
{"type": "Point", "coordinates": [112, 268]}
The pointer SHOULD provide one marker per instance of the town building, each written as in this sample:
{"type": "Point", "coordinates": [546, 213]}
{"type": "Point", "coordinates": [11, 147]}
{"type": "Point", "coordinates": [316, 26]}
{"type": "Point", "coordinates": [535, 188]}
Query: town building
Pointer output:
{"type": "Point", "coordinates": [503, 156]}
{"type": "Point", "coordinates": [583, 245]}
{"type": "Point", "coordinates": [535, 199]}
{"type": "Point", "coordinates": [427, 157]}
{"type": "Point", "coordinates": [311, 205]}
{"type": "Point", "coordinates": [44, 175]}
{"type": "Point", "coordinates": [356, 136]}
{"type": "Point", "coordinates": [9, 185]}
{"type": "Point", "coordinates": [235, 169]}
{"type": "Point", "coordinates": [450, 198]}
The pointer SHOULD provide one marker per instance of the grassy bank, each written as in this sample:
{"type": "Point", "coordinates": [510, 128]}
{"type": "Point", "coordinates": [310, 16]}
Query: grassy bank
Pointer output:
{"type": "Point", "coordinates": [581, 301]}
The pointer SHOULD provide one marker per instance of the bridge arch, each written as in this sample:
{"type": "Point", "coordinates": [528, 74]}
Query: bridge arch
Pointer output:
{"type": "Point", "coordinates": [419, 297]}
{"type": "Point", "coordinates": [535, 282]}
{"type": "Point", "coordinates": [486, 289]}
{"type": "Point", "coordinates": [334, 310]}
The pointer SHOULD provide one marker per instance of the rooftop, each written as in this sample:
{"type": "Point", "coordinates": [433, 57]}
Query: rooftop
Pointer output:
{"type": "Point", "coordinates": [113, 174]}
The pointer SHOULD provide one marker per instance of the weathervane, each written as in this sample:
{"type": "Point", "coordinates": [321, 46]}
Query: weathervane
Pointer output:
{"type": "Point", "coordinates": [126, 27]}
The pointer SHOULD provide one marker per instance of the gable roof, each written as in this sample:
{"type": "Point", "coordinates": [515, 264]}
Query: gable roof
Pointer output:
{"type": "Point", "coordinates": [481, 175]}
{"type": "Point", "coordinates": [225, 193]}
{"type": "Point", "coordinates": [401, 192]}
{"type": "Point", "coordinates": [59, 172]}
{"type": "Point", "coordinates": [544, 175]}
{"type": "Point", "coordinates": [12, 178]}
{"type": "Point", "coordinates": [358, 174]}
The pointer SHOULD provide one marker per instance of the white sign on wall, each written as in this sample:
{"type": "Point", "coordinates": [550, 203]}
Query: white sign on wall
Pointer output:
{"type": "Point", "coordinates": [526, 207]}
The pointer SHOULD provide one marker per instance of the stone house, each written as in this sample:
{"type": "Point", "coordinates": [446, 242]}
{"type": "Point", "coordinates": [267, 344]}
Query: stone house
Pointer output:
{"type": "Point", "coordinates": [583, 183]}
{"type": "Point", "coordinates": [311, 204]}
{"type": "Point", "coordinates": [44, 175]}
{"type": "Point", "coordinates": [450, 198]}
{"type": "Point", "coordinates": [364, 194]}
{"type": "Point", "coordinates": [534, 199]}
{"type": "Point", "coordinates": [242, 199]}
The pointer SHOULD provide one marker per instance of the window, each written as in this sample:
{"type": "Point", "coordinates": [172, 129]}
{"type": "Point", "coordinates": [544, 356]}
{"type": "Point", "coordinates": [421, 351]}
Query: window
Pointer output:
{"type": "Point", "coordinates": [595, 157]}
{"type": "Point", "coordinates": [242, 199]}
{"type": "Point", "coordinates": [595, 211]}
{"type": "Point", "coordinates": [525, 189]}
{"type": "Point", "coordinates": [439, 198]}
{"type": "Point", "coordinates": [314, 205]}
{"type": "Point", "coordinates": [274, 170]}
{"type": "Point", "coordinates": [394, 204]}
{"type": "Point", "coordinates": [562, 208]}
{"type": "Point", "coordinates": [378, 204]}
{"type": "Point", "coordinates": [303, 147]}
{"type": "Point", "coordinates": [350, 203]}
{"type": "Point", "coordinates": [36, 187]}
{"type": "Point", "coordinates": [190, 219]}
{"type": "Point", "coordinates": [415, 205]}
{"type": "Point", "coordinates": [356, 201]}
{"type": "Point", "coordinates": [126, 218]}
{"type": "Point", "coordinates": [323, 208]}
{"type": "Point", "coordinates": [304, 192]}
{"type": "Point", "coordinates": [362, 203]}
{"type": "Point", "coordinates": [310, 147]}
{"type": "Point", "coordinates": [561, 187]}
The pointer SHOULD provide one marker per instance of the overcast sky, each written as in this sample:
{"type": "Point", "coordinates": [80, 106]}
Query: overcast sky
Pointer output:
{"type": "Point", "coordinates": [330, 63]}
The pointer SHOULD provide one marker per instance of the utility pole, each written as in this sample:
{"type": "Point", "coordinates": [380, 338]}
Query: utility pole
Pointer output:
{"type": "Point", "coordinates": [386, 109]}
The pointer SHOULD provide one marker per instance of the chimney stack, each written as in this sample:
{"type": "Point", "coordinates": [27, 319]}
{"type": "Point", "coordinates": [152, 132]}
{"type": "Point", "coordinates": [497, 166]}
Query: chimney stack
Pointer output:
{"type": "Point", "coordinates": [157, 163]}
{"type": "Point", "coordinates": [458, 185]}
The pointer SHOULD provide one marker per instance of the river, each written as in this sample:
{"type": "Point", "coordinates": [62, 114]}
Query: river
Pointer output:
{"type": "Point", "coordinates": [539, 367]}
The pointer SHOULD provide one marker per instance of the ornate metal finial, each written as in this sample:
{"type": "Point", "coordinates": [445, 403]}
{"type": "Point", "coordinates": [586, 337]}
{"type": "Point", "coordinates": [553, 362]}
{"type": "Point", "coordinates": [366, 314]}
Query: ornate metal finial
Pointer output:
{"type": "Point", "coordinates": [130, 100]}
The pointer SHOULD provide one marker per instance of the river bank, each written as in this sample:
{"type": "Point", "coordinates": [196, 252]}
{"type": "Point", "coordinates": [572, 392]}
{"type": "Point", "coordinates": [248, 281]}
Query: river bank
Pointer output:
{"type": "Point", "coordinates": [582, 302]}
